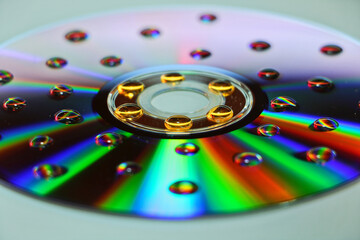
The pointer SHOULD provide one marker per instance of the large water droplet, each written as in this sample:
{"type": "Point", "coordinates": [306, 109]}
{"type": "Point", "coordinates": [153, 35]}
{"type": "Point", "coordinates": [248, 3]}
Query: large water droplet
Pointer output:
{"type": "Point", "coordinates": [76, 36]}
{"type": "Point", "coordinates": [187, 149]}
{"type": "Point", "coordinates": [172, 78]}
{"type": "Point", "coordinates": [331, 50]}
{"type": "Point", "coordinates": [325, 124]}
{"type": "Point", "coordinates": [220, 114]}
{"type": "Point", "coordinates": [129, 112]}
{"type": "Point", "coordinates": [130, 89]}
{"type": "Point", "coordinates": [111, 61]}
{"type": "Point", "coordinates": [178, 123]}
{"type": "Point", "coordinates": [56, 62]}
{"type": "Point", "coordinates": [247, 159]}
{"type": "Point", "coordinates": [269, 74]}
{"type": "Point", "coordinates": [5, 77]}
{"type": "Point", "coordinates": [320, 155]}
{"type": "Point", "coordinates": [61, 91]}
{"type": "Point", "coordinates": [128, 168]}
{"type": "Point", "coordinates": [109, 139]}
{"type": "Point", "coordinates": [207, 18]}
{"type": "Point", "coordinates": [183, 187]}
{"type": "Point", "coordinates": [268, 130]}
{"type": "Point", "coordinates": [259, 46]}
{"type": "Point", "coordinates": [222, 87]}
{"type": "Point", "coordinates": [280, 104]}
{"type": "Point", "coordinates": [150, 33]}
{"type": "Point", "coordinates": [68, 116]}
{"type": "Point", "coordinates": [199, 54]}
{"type": "Point", "coordinates": [14, 104]}
{"type": "Point", "coordinates": [48, 171]}
{"type": "Point", "coordinates": [41, 142]}
{"type": "Point", "coordinates": [320, 84]}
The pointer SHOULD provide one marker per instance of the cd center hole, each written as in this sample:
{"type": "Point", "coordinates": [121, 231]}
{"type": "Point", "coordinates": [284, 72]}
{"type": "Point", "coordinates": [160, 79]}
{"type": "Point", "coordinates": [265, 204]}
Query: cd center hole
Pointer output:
{"type": "Point", "coordinates": [179, 101]}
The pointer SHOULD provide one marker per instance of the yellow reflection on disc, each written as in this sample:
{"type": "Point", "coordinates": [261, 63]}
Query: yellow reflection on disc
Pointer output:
{"type": "Point", "coordinates": [130, 89]}
{"type": "Point", "coordinates": [178, 123]}
{"type": "Point", "coordinates": [128, 112]}
{"type": "Point", "coordinates": [220, 114]}
{"type": "Point", "coordinates": [222, 87]}
{"type": "Point", "coordinates": [172, 78]}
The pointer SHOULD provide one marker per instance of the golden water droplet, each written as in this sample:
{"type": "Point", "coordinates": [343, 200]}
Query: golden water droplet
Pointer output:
{"type": "Point", "coordinates": [220, 114]}
{"type": "Point", "coordinates": [129, 112]}
{"type": "Point", "coordinates": [223, 87]}
{"type": "Point", "coordinates": [130, 88]}
{"type": "Point", "coordinates": [178, 123]}
{"type": "Point", "coordinates": [172, 78]}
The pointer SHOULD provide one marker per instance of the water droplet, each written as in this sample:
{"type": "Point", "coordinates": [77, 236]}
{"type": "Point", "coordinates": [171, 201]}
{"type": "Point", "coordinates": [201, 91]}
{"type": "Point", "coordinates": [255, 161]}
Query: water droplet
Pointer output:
{"type": "Point", "coordinates": [199, 54]}
{"type": "Point", "coordinates": [223, 87]}
{"type": "Point", "coordinates": [129, 112]}
{"type": "Point", "coordinates": [5, 77]}
{"type": "Point", "coordinates": [61, 91]}
{"type": "Point", "coordinates": [280, 104]}
{"type": "Point", "coordinates": [111, 61]}
{"type": "Point", "coordinates": [128, 168]}
{"type": "Point", "coordinates": [172, 78]}
{"type": "Point", "coordinates": [76, 36]}
{"type": "Point", "coordinates": [178, 123]}
{"type": "Point", "coordinates": [109, 139]}
{"type": "Point", "coordinates": [320, 155]}
{"type": "Point", "coordinates": [331, 50]}
{"type": "Point", "coordinates": [41, 142]}
{"type": "Point", "coordinates": [187, 149]}
{"type": "Point", "coordinates": [259, 46]}
{"type": "Point", "coordinates": [47, 171]}
{"type": "Point", "coordinates": [14, 104]}
{"type": "Point", "coordinates": [130, 89]}
{"type": "Point", "coordinates": [268, 130]}
{"type": "Point", "coordinates": [150, 32]}
{"type": "Point", "coordinates": [183, 187]}
{"type": "Point", "coordinates": [220, 114]}
{"type": "Point", "coordinates": [320, 84]}
{"type": "Point", "coordinates": [68, 116]}
{"type": "Point", "coordinates": [207, 18]}
{"type": "Point", "coordinates": [269, 74]}
{"type": "Point", "coordinates": [248, 159]}
{"type": "Point", "coordinates": [325, 124]}
{"type": "Point", "coordinates": [56, 62]}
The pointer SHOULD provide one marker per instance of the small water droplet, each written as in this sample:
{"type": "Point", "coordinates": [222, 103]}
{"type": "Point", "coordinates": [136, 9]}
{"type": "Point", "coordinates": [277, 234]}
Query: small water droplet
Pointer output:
{"type": "Point", "coordinates": [247, 159]}
{"type": "Point", "coordinates": [183, 187]}
{"type": "Point", "coordinates": [48, 171]}
{"type": "Point", "coordinates": [220, 114]}
{"type": "Point", "coordinates": [41, 142]}
{"type": "Point", "coordinates": [325, 124]}
{"type": "Point", "coordinates": [187, 149]}
{"type": "Point", "coordinates": [76, 36]}
{"type": "Point", "coordinates": [61, 91]}
{"type": "Point", "coordinates": [111, 61]}
{"type": "Point", "coordinates": [280, 104]}
{"type": "Point", "coordinates": [109, 139]}
{"type": "Point", "coordinates": [68, 116]}
{"type": "Point", "coordinates": [56, 62]}
{"type": "Point", "coordinates": [331, 50]}
{"type": "Point", "coordinates": [207, 18]}
{"type": "Point", "coordinates": [128, 168]}
{"type": "Point", "coordinates": [178, 123]}
{"type": "Point", "coordinates": [199, 54]}
{"type": "Point", "coordinates": [223, 87]}
{"type": "Point", "coordinates": [259, 46]}
{"type": "Point", "coordinates": [5, 77]}
{"type": "Point", "coordinates": [268, 130]}
{"type": "Point", "coordinates": [320, 155]}
{"type": "Point", "coordinates": [320, 84]}
{"type": "Point", "coordinates": [172, 78]}
{"type": "Point", "coordinates": [14, 104]}
{"type": "Point", "coordinates": [269, 74]}
{"type": "Point", "coordinates": [150, 33]}
{"type": "Point", "coordinates": [129, 112]}
{"type": "Point", "coordinates": [130, 89]}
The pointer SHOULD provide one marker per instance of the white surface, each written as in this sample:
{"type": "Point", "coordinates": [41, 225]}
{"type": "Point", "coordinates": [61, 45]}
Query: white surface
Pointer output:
{"type": "Point", "coordinates": [333, 216]}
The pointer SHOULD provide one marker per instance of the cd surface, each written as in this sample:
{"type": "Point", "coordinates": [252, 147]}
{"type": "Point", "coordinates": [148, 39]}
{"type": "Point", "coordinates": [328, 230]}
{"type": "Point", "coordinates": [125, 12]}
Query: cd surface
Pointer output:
{"type": "Point", "coordinates": [177, 114]}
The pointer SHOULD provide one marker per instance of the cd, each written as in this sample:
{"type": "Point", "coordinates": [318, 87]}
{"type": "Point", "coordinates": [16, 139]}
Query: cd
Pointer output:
{"type": "Point", "coordinates": [176, 114]}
